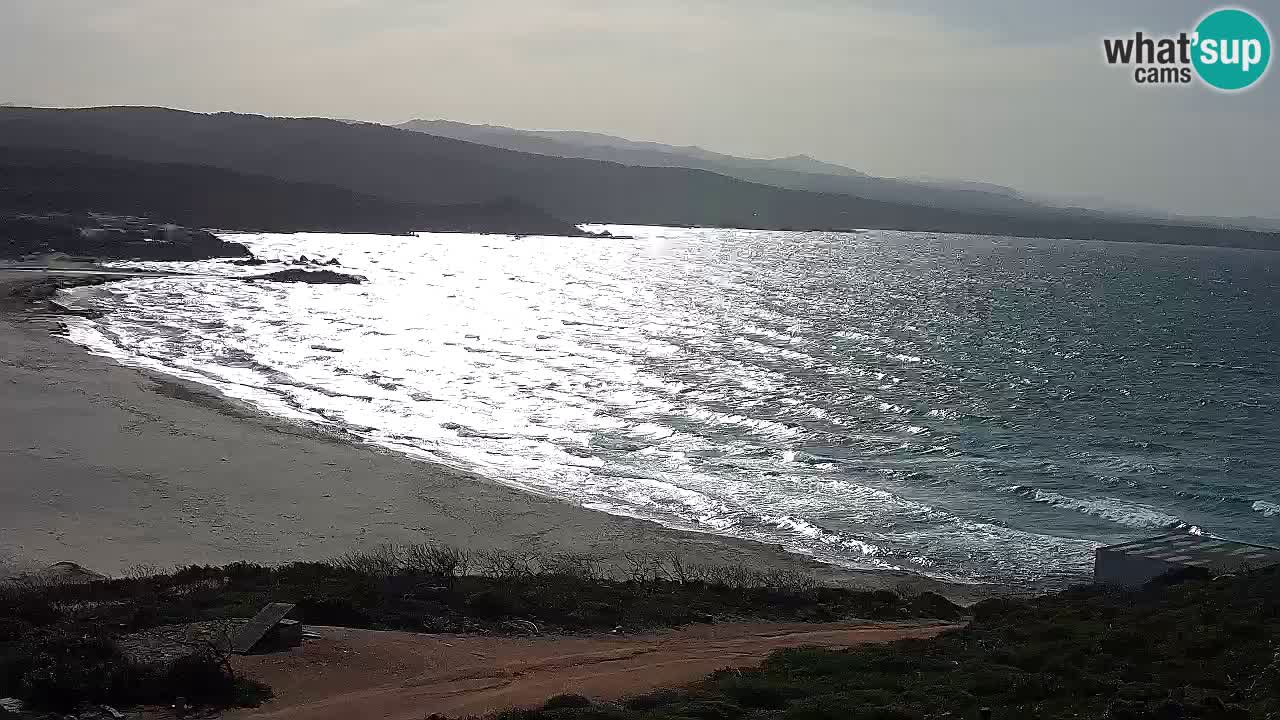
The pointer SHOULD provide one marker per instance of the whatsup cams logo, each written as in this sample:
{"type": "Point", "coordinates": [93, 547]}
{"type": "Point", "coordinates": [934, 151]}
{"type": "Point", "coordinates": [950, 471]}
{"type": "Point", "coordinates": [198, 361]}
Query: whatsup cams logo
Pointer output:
{"type": "Point", "coordinates": [1229, 50]}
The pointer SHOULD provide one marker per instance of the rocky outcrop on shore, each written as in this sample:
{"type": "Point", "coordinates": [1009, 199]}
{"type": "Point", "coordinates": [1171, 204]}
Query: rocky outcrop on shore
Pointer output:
{"type": "Point", "coordinates": [37, 292]}
{"type": "Point", "coordinates": [314, 277]}
{"type": "Point", "coordinates": [110, 238]}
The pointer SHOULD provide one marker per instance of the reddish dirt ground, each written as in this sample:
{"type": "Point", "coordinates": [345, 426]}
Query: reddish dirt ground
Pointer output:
{"type": "Point", "coordinates": [370, 674]}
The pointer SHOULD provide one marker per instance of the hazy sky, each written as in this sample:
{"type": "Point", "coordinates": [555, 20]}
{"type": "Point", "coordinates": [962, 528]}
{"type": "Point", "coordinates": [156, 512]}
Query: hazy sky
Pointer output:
{"type": "Point", "coordinates": [1007, 91]}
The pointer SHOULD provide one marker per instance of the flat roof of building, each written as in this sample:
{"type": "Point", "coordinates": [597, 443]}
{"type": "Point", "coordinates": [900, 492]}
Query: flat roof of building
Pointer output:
{"type": "Point", "coordinates": [1200, 551]}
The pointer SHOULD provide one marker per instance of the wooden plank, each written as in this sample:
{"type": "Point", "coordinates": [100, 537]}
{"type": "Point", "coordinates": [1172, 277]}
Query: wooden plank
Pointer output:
{"type": "Point", "coordinates": [259, 626]}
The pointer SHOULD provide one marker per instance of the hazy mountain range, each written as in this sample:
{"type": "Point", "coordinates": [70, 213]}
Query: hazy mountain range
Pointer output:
{"type": "Point", "coordinates": [803, 172]}
{"type": "Point", "coordinates": [799, 172]}
{"type": "Point", "coordinates": [321, 173]}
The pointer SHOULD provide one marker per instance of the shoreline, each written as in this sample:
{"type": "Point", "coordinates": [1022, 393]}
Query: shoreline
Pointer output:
{"type": "Point", "coordinates": [117, 468]}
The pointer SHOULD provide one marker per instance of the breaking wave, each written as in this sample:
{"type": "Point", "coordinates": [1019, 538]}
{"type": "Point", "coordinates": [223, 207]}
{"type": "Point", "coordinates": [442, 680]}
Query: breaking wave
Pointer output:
{"type": "Point", "coordinates": [1123, 512]}
{"type": "Point", "coordinates": [968, 408]}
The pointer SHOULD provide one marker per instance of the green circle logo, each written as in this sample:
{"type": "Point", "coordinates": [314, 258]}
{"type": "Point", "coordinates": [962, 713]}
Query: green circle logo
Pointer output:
{"type": "Point", "coordinates": [1232, 49]}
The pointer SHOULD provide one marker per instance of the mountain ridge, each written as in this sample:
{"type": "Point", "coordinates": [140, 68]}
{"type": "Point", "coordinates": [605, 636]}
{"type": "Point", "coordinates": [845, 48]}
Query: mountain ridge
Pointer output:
{"type": "Point", "coordinates": [795, 172]}
{"type": "Point", "coordinates": [414, 167]}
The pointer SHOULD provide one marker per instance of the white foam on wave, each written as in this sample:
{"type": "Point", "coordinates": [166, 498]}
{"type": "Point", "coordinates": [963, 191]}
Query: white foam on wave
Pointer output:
{"type": "Point", "coordinates": [85, 333]}
{"type": "Point", "coordinates": [770, 351]}
{"type": "Point", "coordinates": [643, 378]}
{"type": "Point", "coordinates": [764, 427]}
{"type": "Point", "coordinates": [1268, 509]}
{"type": "Point", "coordinates": [789, 337]}
{"type": "Point", "coordinates": [808, 529]}
{"type": "Point", "coordinates": [1123, 512]}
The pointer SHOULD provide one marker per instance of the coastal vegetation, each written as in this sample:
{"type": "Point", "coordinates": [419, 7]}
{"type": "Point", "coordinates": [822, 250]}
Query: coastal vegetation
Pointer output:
{"type": "Point", "coordinates": [63, 669]}
{"type": "Point", "coordinates": [60, 643]}
{"type": "Point", "coordinates": [432, 588]}
{"type": "Point", "coordinates": [1184, 646]}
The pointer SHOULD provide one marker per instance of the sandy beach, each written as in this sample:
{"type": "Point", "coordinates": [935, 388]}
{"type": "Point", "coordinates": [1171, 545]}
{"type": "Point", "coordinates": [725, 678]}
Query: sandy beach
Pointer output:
{"type": "Point", "coordinates": [118, 469]}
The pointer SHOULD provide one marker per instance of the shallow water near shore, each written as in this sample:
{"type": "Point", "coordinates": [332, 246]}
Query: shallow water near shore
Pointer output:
{"type": "Point", "coordinates": [970, 408]}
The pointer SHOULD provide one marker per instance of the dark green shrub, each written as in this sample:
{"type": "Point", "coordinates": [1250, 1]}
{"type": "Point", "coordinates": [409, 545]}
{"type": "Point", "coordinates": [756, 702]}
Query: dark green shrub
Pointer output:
{"type": "Point", "coordinates": [205, 679]}
{"type": "Point", "coordinates": [498, 602]}
{"type": "Point", "coordinates": [842, 708]}
{"type": "Point", "coordinates": [65, 670]}
{"type": "Point", "coordinates": [885, 597]}
{"type": "Point", "coordinates": [706, 710]}
{"type": "Point", "coordinates": [20, 613]}
{"type": "Point", "coordinates": [655, 699]}
{"type": "Point", "coordinates": [338, 611]}
{"type": "Point", "coordinates": [933, 605]}
{"type": "Point", "coordinates": [996, 608]}
{"type": "Point", "coordinates": [753, 691]}
{"type": "Point", "coordinates": [567, 700]}
{"type": "Point", "coordinates": [594, 712]}
{"type": "Point", "coordinates": [14, 660]}
{"type": "Point", "coordinates": [512, 714]}
{"type": "Point", "coordinates": [885, 713]}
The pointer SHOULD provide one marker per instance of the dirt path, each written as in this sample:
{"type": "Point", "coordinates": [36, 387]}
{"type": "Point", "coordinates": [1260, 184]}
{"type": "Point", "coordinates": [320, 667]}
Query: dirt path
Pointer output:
{"type": "Point", "coordinates": [369, 674]}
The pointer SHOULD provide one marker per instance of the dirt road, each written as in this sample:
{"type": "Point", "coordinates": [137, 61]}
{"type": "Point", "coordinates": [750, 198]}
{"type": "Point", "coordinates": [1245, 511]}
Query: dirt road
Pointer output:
{"type": "Point", "coordinates": [369, 674]}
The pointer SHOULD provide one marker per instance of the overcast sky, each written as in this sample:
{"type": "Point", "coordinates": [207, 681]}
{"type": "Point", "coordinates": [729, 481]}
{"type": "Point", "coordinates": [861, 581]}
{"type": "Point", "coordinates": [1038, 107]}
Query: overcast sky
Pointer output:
{"type": "Point", "coordinates": [1005, 91]}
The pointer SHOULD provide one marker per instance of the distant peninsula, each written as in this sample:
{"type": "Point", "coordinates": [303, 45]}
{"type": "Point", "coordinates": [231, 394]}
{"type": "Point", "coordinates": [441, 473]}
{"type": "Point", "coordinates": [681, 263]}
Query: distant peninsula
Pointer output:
{"type": "Point", "coordinates": [250, 172]}
{"type": "Point", "coordinates": [55, 187]}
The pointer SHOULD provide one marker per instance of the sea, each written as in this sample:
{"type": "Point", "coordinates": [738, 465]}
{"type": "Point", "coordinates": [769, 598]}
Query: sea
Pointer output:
{"type": "Point", "coordinates": [970, 408]}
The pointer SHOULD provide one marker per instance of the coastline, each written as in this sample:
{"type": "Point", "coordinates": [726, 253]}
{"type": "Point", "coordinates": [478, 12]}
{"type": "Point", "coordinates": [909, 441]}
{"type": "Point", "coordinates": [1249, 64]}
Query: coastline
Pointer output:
{"type": "Point", "coordinates": [115, 468]}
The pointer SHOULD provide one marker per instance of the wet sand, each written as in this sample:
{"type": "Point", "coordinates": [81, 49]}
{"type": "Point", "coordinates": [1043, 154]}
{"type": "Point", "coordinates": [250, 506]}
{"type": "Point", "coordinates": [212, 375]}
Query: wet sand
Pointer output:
{"type": "Point", "coordinates": [116, 469]}
{"type": "Point", "coordinates": [370, 674]}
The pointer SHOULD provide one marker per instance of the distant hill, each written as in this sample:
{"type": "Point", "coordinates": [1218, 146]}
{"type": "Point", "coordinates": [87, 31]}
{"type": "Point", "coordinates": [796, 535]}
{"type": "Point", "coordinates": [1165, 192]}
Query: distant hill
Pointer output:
{"type": "Point", "coordinates": [798, 172]}
{"type": "Point", "coordinates": [813, 166]}
{"type": "Point", "coordinates": [420, 169]}
{"type": "Point", "coordinates": [802, 172]}
{"type": "Point", "coordinates": [795, 163]}
{"type": "Point", "coordinates": [984, 187]}
{"type": "Point", "coordinates": [36, 180]}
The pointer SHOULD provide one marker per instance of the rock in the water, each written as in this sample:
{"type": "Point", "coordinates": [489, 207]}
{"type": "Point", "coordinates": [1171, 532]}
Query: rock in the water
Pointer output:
{"type": "Point", "coordinates": [319, 277]}
{"type": "Point", "coordinates": [606, 235]}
